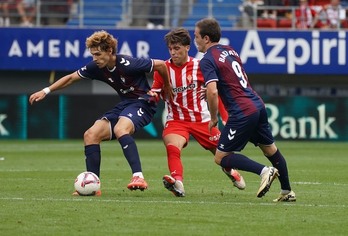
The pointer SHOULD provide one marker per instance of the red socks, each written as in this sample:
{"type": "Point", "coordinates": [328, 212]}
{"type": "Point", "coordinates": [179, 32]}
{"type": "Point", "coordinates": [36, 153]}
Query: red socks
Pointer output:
{"type": "Point", "coordinates": [174, 162]}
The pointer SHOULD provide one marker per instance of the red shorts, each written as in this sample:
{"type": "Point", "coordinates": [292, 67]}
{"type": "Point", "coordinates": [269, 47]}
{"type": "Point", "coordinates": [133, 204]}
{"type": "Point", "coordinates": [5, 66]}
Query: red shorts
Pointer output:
{"type": "Point", "coordinates": [199, 131]}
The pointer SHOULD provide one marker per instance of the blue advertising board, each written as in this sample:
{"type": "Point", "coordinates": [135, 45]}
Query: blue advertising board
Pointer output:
{"type": "Point", "coordinates": [276, 52]}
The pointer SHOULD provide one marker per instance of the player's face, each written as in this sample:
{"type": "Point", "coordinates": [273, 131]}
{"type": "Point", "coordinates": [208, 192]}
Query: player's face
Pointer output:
{"type": "Point", "coordinates": [178, 53]}
{"type": "Point", "coordinates": [199, 41]}
{"type": "Point", "coordinates": [102, 58]}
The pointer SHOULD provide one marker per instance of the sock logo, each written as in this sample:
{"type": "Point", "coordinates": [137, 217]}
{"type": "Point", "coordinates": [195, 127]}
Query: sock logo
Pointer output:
{"type": "Point", "coordinates": [125, 146]}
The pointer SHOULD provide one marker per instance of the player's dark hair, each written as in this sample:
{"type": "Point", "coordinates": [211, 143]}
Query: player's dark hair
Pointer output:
{"type": "Point", "coordinates": [211, 28]}
{"type": "Point", "coordinates": [178, 36]}
{"type": "Point", "coordinates": [102, 40]}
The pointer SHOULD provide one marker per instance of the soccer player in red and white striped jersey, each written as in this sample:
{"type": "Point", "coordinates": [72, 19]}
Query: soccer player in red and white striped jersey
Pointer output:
{"type": "Point", "coordinates": [188, 112]}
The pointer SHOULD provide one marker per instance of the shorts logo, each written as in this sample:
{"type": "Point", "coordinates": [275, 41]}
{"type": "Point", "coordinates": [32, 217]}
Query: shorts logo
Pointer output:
{"type": "Point", "coordinates": [231, 134]}
{"type": "Point", "coordinates": [222, 146]}
{"type": "Point", "coordinates": [140, 112]}
{"type": "Point", "coordinates": [130, 114]}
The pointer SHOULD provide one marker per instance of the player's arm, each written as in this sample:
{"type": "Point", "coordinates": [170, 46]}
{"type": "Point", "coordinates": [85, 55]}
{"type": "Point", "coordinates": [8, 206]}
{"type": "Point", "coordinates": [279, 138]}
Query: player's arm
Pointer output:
{"type": "Point", "coordinates": [157, 85]}
{"type": "Point", "coordinates": [161, 68]}
{"type": "Point", "coordinates": [213, 103]}
{"type": "Point", "coordinates": [59, 84]}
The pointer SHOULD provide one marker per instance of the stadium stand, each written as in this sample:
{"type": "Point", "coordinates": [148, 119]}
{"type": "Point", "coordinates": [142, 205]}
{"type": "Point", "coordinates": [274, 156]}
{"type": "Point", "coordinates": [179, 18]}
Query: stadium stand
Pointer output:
{"type": "Point", "coordinates": [225, 12]}
{"type": "Point", "coordinates": [122, 14]}
{"type": "Point", "coordinates": [95, 13]}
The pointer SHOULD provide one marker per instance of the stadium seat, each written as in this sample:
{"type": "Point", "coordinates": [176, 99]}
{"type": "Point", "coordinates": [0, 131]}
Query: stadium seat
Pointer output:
{"type": "Point", "coordinates": [266, 23]}
{"type": "Point", "coordinates": [223, 11]}
{"type": "Point", "coordinates": [94, 9]}
{"type": "Point", "coordinates": [284, 23]}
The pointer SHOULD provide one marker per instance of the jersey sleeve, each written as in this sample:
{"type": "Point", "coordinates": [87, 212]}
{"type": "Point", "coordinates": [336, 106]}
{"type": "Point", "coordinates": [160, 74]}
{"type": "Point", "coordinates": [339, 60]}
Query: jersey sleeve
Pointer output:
{"type": "Point", "coordinates": [208, 71]}
{"type": "Point", "coordinates": [88, 71]}
{"type": "Point", "coordinates": [138, 64]}
{"type": "Point", "coordinates": [157, 84]}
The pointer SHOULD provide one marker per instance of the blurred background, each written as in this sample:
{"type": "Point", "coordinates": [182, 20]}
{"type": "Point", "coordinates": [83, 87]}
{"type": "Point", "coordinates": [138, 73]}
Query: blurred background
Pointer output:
{"type": "Point", "coordinates": [294, 51]}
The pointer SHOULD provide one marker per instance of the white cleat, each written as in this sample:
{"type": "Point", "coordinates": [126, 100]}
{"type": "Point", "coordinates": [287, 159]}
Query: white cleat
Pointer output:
{"type": "Point", "coordinates": [289, 197]}
{"type": "Point", "coordinates": [173, 185]}
{"type": "Point", "coordinates": [266, 181]}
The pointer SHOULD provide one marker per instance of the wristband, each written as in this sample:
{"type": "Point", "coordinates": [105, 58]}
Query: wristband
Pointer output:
{"type": "Point", "coordinates": [46, 90]}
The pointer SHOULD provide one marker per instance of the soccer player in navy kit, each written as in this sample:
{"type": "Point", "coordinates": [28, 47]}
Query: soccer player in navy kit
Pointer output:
{"type": "Point", "coordinates": [224, 75]}
{"type": "Point", "coordinates": [127, 76]}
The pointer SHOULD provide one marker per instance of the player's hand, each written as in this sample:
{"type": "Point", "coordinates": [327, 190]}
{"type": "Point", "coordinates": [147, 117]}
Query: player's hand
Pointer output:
{"type": "Point", "coordinates": [153, 96]}
{"type": "Point", "coordinates": [213, 123]}
{"type": "Point", "coordinates": [168, 92]}
{"type": "Point", "coordinates": [38, 96]}
{"type": "Point", "coordinates": [152, 93]}
{"type": "Point", "coordinates": [202, 93]}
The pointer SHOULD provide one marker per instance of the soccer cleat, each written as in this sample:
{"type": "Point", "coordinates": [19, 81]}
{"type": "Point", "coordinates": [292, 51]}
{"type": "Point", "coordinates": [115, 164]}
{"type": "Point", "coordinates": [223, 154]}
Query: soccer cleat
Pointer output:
{"type": "Point", "coordinates": [236, 178]}
{"type": "Point", "coordinates": [266, 181]}
{"type": "Point", "coordinates": [173, 185]}
{"type": "Point", "coordinates": [289, 197]}
{"type": "Point", "coordinates": [98, 194]}
{"type": "Point", "coordinates": [137, 183]}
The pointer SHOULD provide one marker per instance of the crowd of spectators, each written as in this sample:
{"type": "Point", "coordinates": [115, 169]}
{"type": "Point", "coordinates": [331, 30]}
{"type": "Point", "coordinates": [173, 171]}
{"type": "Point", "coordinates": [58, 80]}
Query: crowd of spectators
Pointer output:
{"type": "Point", "coordinates": [157, 14]}
{"type": "Point", "coordinates": [23, 12]}
{"type": "Point", "coordinates": [304, 14]}
{"type": "Point", "coordinates": [4, 13]}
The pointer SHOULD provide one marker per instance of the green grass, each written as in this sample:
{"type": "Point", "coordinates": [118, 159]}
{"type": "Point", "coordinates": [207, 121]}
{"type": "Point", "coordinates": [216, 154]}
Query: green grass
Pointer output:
{"type": "Point", "coordinates": [36, 179]}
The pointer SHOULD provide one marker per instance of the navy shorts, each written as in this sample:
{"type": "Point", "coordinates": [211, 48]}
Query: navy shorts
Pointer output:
{"type": "Point", "coordinates": [238, 132]}
{"type": "Point", "coordinates": [140, 112]}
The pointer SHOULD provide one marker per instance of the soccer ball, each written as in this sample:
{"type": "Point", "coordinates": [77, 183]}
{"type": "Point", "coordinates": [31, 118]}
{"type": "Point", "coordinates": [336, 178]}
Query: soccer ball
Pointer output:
{"type": "Point", "coordinates": [87, 183]}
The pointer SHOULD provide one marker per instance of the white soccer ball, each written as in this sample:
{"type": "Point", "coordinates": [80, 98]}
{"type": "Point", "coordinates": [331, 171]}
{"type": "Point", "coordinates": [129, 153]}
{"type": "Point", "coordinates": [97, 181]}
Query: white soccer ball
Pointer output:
{"type": "Point", "coordinates": [87, 183]}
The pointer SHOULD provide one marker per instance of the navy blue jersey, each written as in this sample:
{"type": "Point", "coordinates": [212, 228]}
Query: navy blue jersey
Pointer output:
{"type": "Point", "coordinates": [128, 77]}
{"type": "Point", "coordinates": [223, 65]}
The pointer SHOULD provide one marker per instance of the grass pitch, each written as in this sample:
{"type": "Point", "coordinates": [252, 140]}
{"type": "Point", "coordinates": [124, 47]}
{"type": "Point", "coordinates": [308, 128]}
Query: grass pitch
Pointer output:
{"type": "Point", "coordinates": [36, 179]}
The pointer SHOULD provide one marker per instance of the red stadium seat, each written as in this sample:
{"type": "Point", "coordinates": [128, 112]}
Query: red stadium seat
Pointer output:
{"type": "Point", "coordinates": [344, 24]}
{"type": "Point", "coordinates": [266, 23]}
{"type": "Point", "coordinates": [284, 23]}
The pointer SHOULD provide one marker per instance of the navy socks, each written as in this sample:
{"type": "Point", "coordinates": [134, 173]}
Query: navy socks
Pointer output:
{"type": "Point", "coordinates": [92, 153]}
{"type": "Point", "coordinates": [279, 162]}
{"type": "Point", "coordinates": [129, 148]}
{"type": "Point", "coordinates": [241, 162]}
{"type": "Point", "coordinates": [130, 151]}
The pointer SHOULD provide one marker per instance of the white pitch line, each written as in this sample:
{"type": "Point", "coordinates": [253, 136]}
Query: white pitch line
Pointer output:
{"type": "Point", "coordinates": [97, 199]}
{"type": "Point", "coordinates": [154, 180]}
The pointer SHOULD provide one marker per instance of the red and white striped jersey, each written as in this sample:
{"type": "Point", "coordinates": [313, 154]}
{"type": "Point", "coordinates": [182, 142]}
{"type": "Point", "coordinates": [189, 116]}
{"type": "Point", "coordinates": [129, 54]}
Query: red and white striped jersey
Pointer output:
{"type": "Point", "coordinates": [187, 81]}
